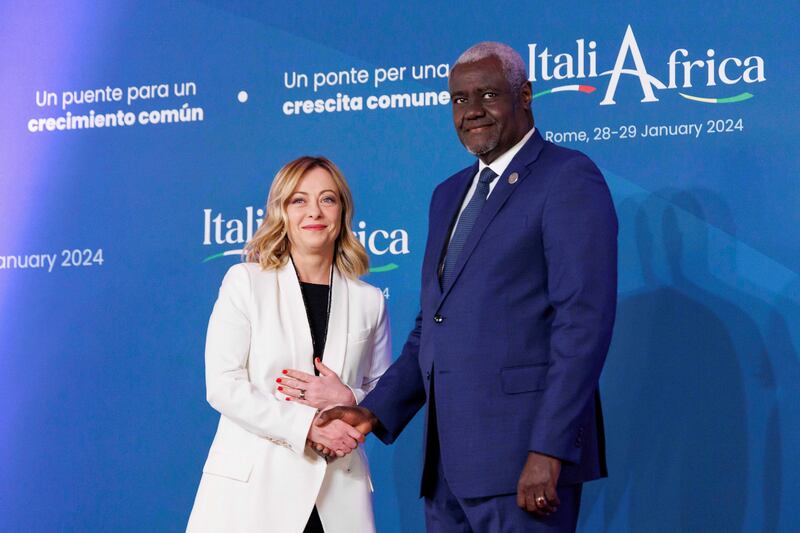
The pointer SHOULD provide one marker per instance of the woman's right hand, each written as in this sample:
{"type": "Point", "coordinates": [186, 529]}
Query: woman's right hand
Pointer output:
{"type": "Point", "coordinates": [337, 437]}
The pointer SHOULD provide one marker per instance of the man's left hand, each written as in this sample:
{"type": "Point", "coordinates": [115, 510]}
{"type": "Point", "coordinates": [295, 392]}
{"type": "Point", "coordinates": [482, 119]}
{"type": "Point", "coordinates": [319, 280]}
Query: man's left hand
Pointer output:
{"type": "Point", "coordinates": [536, 489]}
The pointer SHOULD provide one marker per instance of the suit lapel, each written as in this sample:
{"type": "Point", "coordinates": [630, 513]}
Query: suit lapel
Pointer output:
{"type": "Point", "coordinates": [446, 217]}
{"type": "Point", "coordinates": [498, 197]}
{"type": "Point", "coordinates": [294, 316]}
{"type": "Point", "coordinates": [336, 342]}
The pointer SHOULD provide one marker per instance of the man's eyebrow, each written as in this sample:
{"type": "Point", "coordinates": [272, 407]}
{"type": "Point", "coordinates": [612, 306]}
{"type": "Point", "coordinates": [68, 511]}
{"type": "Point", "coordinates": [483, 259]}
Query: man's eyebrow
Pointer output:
{"type": "Point", "coordinates": [478, 89]}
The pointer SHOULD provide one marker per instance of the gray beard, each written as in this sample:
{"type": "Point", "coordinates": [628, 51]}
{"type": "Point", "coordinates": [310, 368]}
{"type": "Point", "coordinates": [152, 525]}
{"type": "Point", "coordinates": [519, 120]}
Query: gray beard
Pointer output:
{"type": "Point", "coordinates": [487, 146]}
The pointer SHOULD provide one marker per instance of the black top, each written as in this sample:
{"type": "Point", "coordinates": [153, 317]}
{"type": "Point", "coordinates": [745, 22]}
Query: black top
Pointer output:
{"type": "Point", "coordinates": [315, 297]}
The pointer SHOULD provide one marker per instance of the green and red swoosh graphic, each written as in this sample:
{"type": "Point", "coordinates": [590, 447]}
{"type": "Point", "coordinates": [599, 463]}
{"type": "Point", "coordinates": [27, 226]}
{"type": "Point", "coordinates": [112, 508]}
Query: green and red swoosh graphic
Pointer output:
{"type": "Point", "coordinates": [586, 89]}
{"type": "Point", "coordinates": [375, 270]}
{"type": "Point", "coordinates": [729, 100]}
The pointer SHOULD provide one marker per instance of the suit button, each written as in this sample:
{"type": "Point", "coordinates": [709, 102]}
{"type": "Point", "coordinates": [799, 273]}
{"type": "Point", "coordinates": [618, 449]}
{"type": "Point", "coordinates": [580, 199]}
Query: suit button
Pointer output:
{"type": "Point", "coordinates": [438, 319]}
{"type": "Point", "coordinates": [428, 376]}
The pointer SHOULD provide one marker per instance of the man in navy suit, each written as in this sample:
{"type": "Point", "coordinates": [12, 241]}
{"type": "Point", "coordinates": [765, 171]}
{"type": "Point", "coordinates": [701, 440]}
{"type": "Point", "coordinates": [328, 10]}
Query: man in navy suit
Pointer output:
{"type": "Point", "coordinates": [516, 312]}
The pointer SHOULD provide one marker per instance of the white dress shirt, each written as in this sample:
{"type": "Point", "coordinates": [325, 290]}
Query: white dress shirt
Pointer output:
{"type": "Point", "coordinates": [498, 166]}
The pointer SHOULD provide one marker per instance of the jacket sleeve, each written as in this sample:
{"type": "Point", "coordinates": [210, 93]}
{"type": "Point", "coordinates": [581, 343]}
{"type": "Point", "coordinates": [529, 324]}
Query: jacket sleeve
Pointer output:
{"type": "Point", "coordinates": [228, 387]}
{"type": "Point", "coordinates": [580, 244]}
{"type": "Point", "coordinates": [400, 393]}
{"type": "Point", "coordinates": [381, 353]}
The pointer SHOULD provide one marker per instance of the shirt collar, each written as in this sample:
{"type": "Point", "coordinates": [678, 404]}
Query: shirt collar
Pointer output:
{"type": "Point", "coordinates": [500, 164]}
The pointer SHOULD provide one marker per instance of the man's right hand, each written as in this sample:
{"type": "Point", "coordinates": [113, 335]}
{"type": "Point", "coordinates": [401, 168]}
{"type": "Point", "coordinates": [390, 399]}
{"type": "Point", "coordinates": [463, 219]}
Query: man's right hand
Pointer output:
{"type": "Point", "coordinates": [360, 418]}
{"type": "Point", "coordinates": [337, 436]}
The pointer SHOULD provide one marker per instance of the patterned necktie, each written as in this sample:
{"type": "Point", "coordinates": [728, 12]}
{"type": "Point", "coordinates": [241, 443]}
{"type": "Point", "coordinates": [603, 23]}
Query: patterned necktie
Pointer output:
{"type": "Point", "coordinates": [465, 223]}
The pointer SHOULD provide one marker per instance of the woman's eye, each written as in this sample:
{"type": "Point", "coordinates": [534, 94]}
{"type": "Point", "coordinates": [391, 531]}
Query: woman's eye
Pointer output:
{"type": "Point", "coordinates": [329, 200]}
{"type": "Point", "coordinates": [297, 201]}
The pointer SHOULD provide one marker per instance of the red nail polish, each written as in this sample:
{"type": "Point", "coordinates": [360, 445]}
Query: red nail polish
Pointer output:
{"type": "Point", "coordinates": [278, 380]}
{"type": "Point", "coordinates": [280, 388]}
{"type": "Point", "coordinates": [288, 399]}
{"type": "Point", "coordinates": [285, 371]}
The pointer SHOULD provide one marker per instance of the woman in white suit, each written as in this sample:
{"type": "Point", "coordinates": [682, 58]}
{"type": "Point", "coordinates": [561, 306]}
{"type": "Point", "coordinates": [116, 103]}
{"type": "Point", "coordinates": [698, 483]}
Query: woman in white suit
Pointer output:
{"type": "Point", "coordinates": [297, 299]}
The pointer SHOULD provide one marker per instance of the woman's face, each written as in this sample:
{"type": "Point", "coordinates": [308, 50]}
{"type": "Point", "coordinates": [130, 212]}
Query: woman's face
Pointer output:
{"type": "Point", "coordinates": [314, 212]}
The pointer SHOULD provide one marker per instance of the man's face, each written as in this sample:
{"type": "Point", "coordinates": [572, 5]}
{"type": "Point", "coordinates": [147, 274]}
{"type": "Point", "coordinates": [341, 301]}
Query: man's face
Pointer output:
{"type": "Point", "coordinates": [488, 116]}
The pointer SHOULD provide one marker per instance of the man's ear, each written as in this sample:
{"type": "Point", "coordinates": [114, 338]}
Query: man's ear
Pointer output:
{"type": "Point", "coordinates": [526, 95]}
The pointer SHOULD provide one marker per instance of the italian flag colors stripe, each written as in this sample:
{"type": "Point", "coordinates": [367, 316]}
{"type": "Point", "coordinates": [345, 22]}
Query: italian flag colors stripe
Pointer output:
{"type": "Point", "coordinates": [568, 88]}
{"type": "Point", "coordinates": [730, 100]}
{"type": "Point", "coordinates": [217, 256]}
{"type": "Point", "coordinates": [385, 268]}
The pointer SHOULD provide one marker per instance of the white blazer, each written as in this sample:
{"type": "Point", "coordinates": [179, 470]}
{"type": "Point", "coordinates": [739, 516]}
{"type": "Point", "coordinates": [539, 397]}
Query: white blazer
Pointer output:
{"type": "Point", "coordinates": [259, 475]}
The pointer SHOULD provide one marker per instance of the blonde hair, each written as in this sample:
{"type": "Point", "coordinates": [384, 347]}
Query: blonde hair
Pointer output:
{"type": "Point", "coordinates": [270, 245]}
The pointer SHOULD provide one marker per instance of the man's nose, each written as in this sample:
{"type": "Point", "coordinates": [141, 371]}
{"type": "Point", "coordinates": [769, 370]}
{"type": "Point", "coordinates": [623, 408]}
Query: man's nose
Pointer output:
{"type": "Point", "coordinates": [474, 110]}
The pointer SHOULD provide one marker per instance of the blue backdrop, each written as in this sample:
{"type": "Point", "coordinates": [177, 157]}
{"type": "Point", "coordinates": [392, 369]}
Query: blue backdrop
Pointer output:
{"type": "Point", "coordinates": [138, 141]}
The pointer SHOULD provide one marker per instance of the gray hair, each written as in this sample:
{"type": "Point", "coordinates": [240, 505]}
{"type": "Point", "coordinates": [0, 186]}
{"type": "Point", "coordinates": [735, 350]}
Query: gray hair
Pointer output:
{"type": "Point", "coordinates": [513, 65]}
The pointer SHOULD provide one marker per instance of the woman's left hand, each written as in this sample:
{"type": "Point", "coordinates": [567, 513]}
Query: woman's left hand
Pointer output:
{"type": "Point", "coordinates": [322, 392]}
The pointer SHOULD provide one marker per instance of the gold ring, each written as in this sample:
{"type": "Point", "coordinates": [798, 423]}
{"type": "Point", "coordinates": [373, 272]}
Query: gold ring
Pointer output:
{"type": "Point", "coordinates": [302, 394]}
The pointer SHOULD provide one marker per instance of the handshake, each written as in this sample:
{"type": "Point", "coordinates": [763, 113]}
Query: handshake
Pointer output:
{"type": "Point", "coordinates": [337, 431]}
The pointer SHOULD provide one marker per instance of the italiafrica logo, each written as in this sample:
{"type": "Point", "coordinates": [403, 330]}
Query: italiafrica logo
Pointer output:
{"type": "Point", "coordinates": [683, 71]}
{"type": "Point", "coordinates": [219, 231]}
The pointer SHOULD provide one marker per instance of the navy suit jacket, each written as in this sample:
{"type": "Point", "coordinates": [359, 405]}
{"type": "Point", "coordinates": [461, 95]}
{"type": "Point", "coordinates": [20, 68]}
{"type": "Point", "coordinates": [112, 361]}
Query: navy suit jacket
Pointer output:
{"type": "Point", "coordinates": [518, 339]}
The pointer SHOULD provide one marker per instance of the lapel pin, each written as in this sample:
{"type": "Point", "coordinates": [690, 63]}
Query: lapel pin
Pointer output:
{"type": "Point", "coordinates": [512, 179]}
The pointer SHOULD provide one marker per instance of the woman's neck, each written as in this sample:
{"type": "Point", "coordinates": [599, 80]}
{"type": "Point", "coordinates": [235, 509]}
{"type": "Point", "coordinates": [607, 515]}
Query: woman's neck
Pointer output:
{"type": "Point", "coordinates": [313, 268]}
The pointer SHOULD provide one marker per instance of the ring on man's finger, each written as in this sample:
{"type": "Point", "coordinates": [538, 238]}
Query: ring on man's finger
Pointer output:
{"type": "Point", "coordinates": [541, 501]}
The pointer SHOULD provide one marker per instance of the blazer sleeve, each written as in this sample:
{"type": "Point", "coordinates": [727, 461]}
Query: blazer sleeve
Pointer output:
{"type": "Point", "coordinates": [401, 392]}
{"type": "Point", "coordinates": [228, 387]}
{"type": "Point", "coordinates": [579, 230]}
{"type": "Point", "coordinates": [381, 353]}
